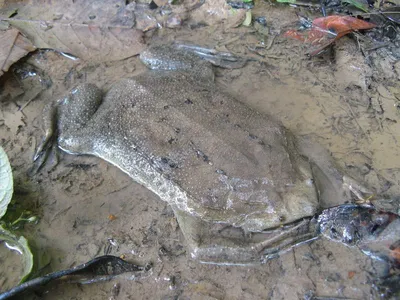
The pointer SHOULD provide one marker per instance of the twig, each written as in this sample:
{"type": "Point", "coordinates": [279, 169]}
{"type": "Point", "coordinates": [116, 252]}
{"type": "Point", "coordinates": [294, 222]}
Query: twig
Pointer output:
{"type": "Point", "coordinates": [378, 46]}
{"type": "Point", "coordinates": [61, 212]}
{"type": "Point", "coordinates": [270, 43]}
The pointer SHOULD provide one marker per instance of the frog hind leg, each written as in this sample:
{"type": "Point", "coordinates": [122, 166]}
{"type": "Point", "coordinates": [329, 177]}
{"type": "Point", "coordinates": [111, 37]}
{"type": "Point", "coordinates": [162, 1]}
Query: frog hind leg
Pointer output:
{"type": "Point", "coordinates": [334, 187]}
{"type": "Point", "coordinates": [65, 116]}
{"type": "Point", "coordinates": [222, 244]}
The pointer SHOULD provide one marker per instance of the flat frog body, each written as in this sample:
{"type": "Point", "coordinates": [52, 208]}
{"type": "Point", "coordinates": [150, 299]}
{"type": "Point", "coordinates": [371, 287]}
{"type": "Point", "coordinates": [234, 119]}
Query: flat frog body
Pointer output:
{"type": "Point", "coordinates": [226, 169]}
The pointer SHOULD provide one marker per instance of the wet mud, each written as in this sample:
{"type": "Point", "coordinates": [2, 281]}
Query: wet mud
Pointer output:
{"type": "Point", "coordinates": [89, 208]}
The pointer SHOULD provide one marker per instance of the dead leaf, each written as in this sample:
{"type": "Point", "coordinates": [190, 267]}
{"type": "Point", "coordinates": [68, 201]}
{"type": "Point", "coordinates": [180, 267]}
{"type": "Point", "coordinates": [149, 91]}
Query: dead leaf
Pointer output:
{"type": "Point", "coordinates": [89, 42]}
{"type": "Point", "coordinates": [13, 46]}
{"type": "Point", "coordinates": [324, 31]}
{"type": "Point", "coordinates": [92, 30]}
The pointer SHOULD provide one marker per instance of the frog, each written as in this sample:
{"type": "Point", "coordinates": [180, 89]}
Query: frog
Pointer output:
{"type": "Point", "coordinates": [243, 188]}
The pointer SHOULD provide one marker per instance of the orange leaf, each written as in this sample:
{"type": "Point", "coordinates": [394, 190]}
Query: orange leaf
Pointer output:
{"type": "Point", "coordinates": [341, 25]}
{"type": "Point", "coordinates": [324, 31]}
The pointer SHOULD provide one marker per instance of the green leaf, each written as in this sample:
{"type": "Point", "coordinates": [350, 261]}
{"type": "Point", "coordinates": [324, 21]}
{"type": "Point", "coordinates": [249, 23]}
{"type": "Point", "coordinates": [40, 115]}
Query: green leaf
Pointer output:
{"type": "Point", "coordinates": [6, 182]}
{"type": "Point", "coordinates": [21, 245]}
{"type": "Point", "coordinates": [355, 3]}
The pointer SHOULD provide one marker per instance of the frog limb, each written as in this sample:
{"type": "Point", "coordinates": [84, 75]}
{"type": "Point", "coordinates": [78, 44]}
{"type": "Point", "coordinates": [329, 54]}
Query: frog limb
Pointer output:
{"type": "Point", "coordinates": [69, 113]}
{"type": "Point", "coordinates": [210, 246]}
{"type": "Point", "coordinates": [220, 59]}
{"type": "Point", "coordinates": [49, 125]}
{"type": "Point", "coordinates": [333, 188]}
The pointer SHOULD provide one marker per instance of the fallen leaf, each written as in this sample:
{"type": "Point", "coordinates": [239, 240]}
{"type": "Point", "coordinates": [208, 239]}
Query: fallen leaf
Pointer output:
{"type": "Point", "coordinates": [13, 46]}
{"type": "Point", "coordinates": [92, 30]}
{"type": "Point", "coordinates": [89, 42]}
{"type": "Point", "coordinates": [324, 31]}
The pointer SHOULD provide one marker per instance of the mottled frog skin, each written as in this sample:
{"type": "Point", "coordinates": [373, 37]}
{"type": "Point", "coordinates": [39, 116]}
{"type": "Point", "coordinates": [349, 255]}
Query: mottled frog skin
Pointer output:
{"type": "Point", "coordinates": [240, 183]}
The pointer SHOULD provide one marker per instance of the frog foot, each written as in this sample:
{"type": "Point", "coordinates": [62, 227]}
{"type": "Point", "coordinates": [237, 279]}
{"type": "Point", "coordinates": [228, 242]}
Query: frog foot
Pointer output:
{"type": "Point", "coordinates": [48, 143]}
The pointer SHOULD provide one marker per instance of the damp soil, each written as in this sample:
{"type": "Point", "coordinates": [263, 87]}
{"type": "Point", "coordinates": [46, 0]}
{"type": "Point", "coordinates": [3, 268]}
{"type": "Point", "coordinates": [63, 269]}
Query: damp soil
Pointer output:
{"type": "Point", "coordinates": [89, 208]}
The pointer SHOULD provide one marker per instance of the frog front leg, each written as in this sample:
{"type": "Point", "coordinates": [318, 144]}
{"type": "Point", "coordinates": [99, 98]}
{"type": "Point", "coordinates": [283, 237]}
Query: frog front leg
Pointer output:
{"type": "Point", "coordinates": [65, 118]}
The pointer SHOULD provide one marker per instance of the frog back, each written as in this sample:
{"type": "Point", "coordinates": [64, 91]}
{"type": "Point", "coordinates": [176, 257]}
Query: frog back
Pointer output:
{"type": "Point", "coordinates": [235, 165]}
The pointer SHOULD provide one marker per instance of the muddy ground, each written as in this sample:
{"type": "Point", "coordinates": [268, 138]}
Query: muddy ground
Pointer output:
{"type": "Point", "coordinates": [343, 99]}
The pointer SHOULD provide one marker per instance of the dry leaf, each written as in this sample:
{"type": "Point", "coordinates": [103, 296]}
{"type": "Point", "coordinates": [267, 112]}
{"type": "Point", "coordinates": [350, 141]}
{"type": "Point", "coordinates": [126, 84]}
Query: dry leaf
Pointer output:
{"type": "Point", "coordinates": [13, 46]}
{"type": "Point", "coordinates": [89, 42]}
{"type": "Point", "coordinates": [92, 30]}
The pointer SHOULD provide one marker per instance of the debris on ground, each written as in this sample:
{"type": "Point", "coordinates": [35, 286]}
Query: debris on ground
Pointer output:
{"type": "Point", "coordinates": [11, 240]}
{"type": "Point", "coordinates": [322, 32]}
{"type": "Point", "coordinates": [349, 98]}
{"type": "Point", "coordinates": [85, 30]}
{"type": "Point", "coordinates": [13, 46]}
{"type": "Point", "coordinates": [98, 269]}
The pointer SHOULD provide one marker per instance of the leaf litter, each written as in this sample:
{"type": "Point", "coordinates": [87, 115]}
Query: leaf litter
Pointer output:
{"type": "Point", "coordinates": [324, 31]}
{"type": "Point", "coordinates": [11, 240]}
{"type": "Point", "coordinates": [13, 46]}
{"type": "Point", "coordinates": [90, 30]}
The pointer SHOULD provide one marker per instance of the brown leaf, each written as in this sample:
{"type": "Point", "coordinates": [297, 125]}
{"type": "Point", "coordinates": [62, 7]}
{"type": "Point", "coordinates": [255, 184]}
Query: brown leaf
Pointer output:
{"type": "Point", "coordinates": [92, 30]}
{"type": "Point", "coordinates": [13, 46]}
{"type": "Point", "coordinates": [89, 42]}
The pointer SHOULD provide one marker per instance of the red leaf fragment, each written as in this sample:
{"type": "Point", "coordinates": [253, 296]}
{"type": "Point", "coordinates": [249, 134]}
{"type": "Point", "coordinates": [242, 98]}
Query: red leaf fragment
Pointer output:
{"type": "Point", "coordinates": [324, 31]}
